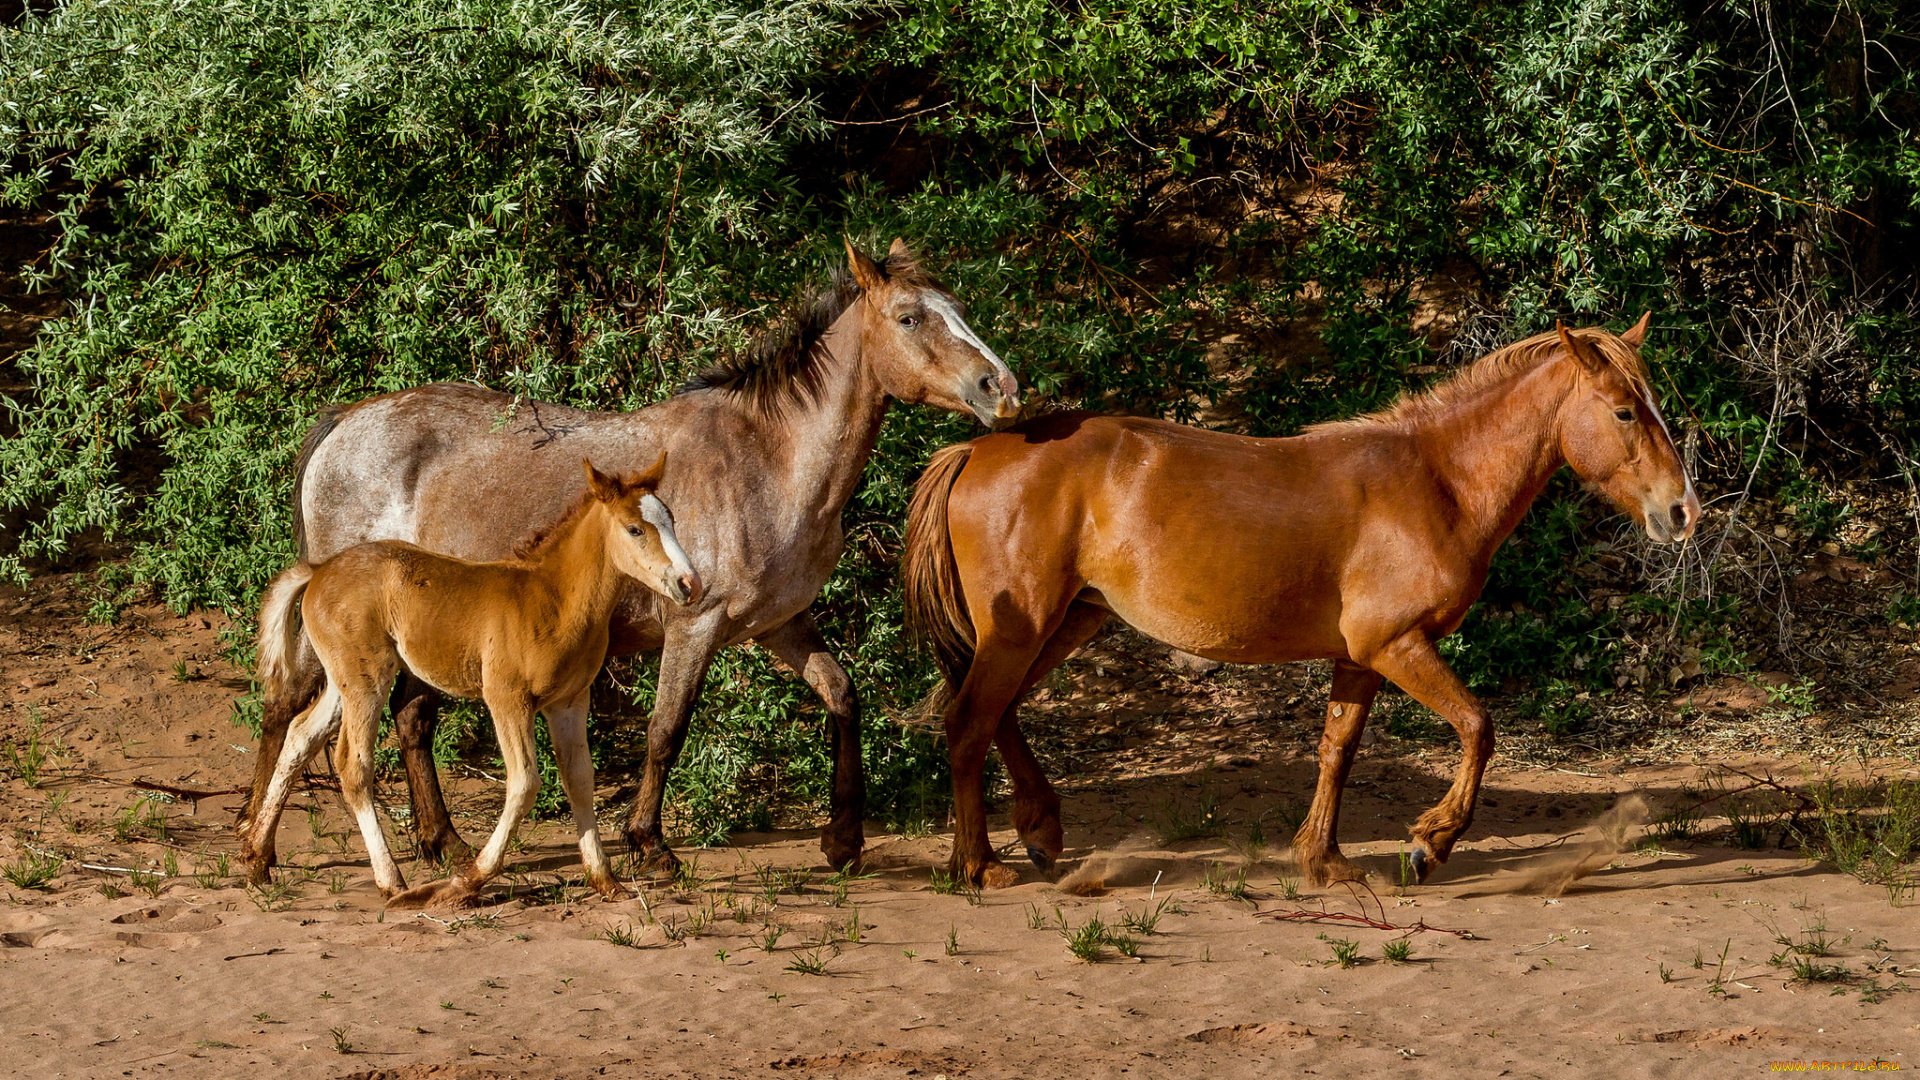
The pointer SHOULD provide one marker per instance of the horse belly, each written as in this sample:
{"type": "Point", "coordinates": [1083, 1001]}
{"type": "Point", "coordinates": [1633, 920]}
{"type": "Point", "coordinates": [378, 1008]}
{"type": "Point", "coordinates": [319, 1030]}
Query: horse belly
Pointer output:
{"type": "Point", "coordinates": [1249, 627]}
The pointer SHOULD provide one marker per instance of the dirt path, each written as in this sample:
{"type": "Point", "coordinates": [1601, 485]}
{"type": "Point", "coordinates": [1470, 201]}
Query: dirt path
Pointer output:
{"type": "Point", "coordinates": [1656, 964]}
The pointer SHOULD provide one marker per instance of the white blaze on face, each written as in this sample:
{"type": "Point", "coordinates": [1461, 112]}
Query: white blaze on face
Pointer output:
{"type": "Point", "coordinates": [958, 327]}
{"type": "Point", "coordinates": [1687, 495]}
{"type": "Point", "coordinates": [655, 513]}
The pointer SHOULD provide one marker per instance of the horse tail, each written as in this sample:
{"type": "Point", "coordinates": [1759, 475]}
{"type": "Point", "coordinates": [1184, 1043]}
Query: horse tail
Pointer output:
{"type": "Point", "coordinates": [323, 426]}
{"type": "Point", "coordinates": [936, 611]}
{"type": "Point", "coordinates": [280, 630]}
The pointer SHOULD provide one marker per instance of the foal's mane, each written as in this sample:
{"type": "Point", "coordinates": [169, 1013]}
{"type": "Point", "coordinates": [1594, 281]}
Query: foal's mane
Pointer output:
{"type": "Point", "coordinates": [781, 367]}
{"type": "Point", "coordinates": [1497, 367]}
{"type": "Point", "coordinates": [539, 540]}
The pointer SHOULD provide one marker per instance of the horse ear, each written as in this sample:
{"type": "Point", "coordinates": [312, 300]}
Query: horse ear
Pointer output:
{"type": "Point", "coordinates": [899, 250]}
{"type": "Point", "coordinates": [865, 271]}
{"type": "Point", "coordinates": [648, 481]}
{"type": "Point", "coordinates": [604, 487]}
{"type": "Point", "coordinates": [1638, 334]}
{"type": "Point", "coordinates": [1583, 352]}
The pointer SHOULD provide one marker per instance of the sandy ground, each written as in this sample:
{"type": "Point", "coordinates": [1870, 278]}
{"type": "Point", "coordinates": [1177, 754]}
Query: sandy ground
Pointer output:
{"type": "Point", "coordinates": [1656, 964]}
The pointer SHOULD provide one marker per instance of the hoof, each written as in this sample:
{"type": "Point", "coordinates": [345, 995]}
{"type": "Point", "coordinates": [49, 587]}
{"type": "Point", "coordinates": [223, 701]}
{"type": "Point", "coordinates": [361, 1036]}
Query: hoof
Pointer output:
{"type": "Point", "coordinates": [1329, 868]}
{"type": "Point", "coordinates": [840, 854]}
{"type": "Point", "coordinates": [450, 892]}
{"type": "Point", "coordinates": [997, 876]}
{"type": "Point", "coordinates": [611, 889]}
{"type": "Point", "coordinates": [1422, 865]}
{"type": "Point", "coordinates": [659, 865]}
{"type": "Point", "coordinates": [1042, 861]}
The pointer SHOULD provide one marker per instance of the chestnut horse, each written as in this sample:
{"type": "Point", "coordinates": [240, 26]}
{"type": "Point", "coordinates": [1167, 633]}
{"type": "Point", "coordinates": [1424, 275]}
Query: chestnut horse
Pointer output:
{"type": "Point", "coordinates": [528, 635]}
{"type": "Point", "coordinates": [1364, 542]}
{"type": "Point", "coordinates": [767, 449]}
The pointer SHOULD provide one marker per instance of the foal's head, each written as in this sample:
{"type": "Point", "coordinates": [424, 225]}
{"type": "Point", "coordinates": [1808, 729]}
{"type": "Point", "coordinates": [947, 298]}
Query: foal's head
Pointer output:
{"type": "Point", "coordinates": [1612, 434]}
{"type": "Point", "coordinates": [640, 532]}
{"type": "Point", "coordinates": [919, 344]}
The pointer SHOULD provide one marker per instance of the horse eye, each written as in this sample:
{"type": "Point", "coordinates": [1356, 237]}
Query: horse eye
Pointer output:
{"type": "Point", "coordinates": [909, 321]}
{"type": "Point", "coordinates": [633, 530]}
{"type": "Point", "coordinates": [1625, 416]}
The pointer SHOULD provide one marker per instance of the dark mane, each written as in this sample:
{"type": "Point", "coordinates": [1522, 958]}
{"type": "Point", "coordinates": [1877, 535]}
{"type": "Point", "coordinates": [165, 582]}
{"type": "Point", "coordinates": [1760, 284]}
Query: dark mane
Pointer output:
{"type": "Point", "coordinates": [539, 540]}
{"type": "Point", "coordinates": [780, 367]}
{"type": "Point", "coordinates": [1495, 367]}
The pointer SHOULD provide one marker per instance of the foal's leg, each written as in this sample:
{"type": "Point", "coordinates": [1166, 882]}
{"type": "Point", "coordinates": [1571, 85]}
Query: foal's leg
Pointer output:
{"type": "Point", "coordinates": [513, 729]}
{"type": "Point", "coordinates": [416, 715]}
{"type": "Point", "coordinates": [1316, 847]}
{"type": "Point", "coordinates": [301, 739]}
{"type": "Point", "coordinates": [1415, 666]}
{"type": "Point", "coordinates": [567, 726]}
{"type": "Point", "coordinates": [308, 678]}
{"type": "Point", "coordinates": [363, 695]}
{"type": "Point", "coordinates": [798, 644]}
{"type": "Point", "coordinates": [1036, 806]}
{"type": "Point", "coordinates": [689, 648]}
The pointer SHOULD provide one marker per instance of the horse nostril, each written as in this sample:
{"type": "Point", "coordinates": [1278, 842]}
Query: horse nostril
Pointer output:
{"type": "Point", "coordinates": [1678, 512]}
{"type": "Point", "coordinates": [986, 384]}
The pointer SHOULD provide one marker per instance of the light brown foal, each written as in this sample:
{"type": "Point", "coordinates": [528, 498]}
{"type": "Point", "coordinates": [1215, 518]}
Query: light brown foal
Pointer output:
{"type": "Point", "coordinates": [528, 635]}
{"type": "Point", "coordinates": [1364, 542]}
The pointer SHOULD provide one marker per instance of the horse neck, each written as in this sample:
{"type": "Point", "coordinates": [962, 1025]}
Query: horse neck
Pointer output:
{"type": "Point", "coordinates": [828, 439]}
{"type": "Point", "coordinates": [578, 571]}
{"type": "Point", "coordinates": [1495, 451]}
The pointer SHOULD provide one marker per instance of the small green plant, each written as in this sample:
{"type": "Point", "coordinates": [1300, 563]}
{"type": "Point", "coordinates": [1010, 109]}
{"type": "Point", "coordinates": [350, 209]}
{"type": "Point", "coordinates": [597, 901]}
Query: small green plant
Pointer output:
{"type": "Point", "coordinates": [624, 936]}
{"type": "Point", "coordinates": [1231, 884]}
{"type": "Point", "coordinates": [1666, 974]}
{"type": "Point", "coordinates": [953, 940]}
{"type": "Point", "coordinates": [1289, 888]}
{"type": "Point", "coordinates": [1148, 918]}
{"type": "Point", "coordinates": [33, 870]}
{"type": "Point", "coordinates": [1036, 919]}
{"type": "Point", "coordinates": [1798, 697]}
{"type": "Point", "coordinates": [170, 862]}
{"type": "Point", "coordinates": [810, 963]}
{"type": "Point", "coordinates": [1718, 984]}
{"type": "Point", "coordinates": [273, 896]}
{"type": "Point", "coordinates": [340, 1043]}
{"type": "Point", "coordinates": [686, 875]}
{"type": "Point", "coordinates": [29, 756]}
{"type": "Point", "coordinates": [1807, 970]}
{"type": "Point", "coordinates": [147, 881]}
{"type": "Point", "coordinates": [1680, 823]}
{"type": "Point", "coordinates": [1397, 952]}
{"type": "Point", "coordinates": [720, 955]}
{"type": "Point", "coordinates": [1345, 953]}
{"type": "Point", "coordinates": [1870, 831]}
{"type": "Point", "coordinates": [943, 882]}
{"type": "Point", "coordinates": [111, 891]}
{"type": "Point", "coordinates": [1085, 941]}
{"type": "Point", "coordinates": [1405, 874]}
{"type": "Point", "coordinates": [851, 931]}
{"type": "Point", "coordinates": [770, 936]}
{"type": "Point", "coordinates": [181, 673]}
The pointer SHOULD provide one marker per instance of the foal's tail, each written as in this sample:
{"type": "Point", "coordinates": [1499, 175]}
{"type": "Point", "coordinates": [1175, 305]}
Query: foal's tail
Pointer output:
{"type": "Point", "coordinates": [936, 610]}
{"type": "Point", "coordinates": [280, 629]}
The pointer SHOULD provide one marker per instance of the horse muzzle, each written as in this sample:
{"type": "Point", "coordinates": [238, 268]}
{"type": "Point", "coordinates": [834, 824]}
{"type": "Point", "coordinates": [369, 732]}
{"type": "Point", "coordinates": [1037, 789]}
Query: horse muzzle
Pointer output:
{"type": "Point", "coordinates": [1672, 522]}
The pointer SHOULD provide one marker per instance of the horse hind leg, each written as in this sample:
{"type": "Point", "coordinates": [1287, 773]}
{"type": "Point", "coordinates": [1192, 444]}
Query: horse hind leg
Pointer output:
{"type": "Point", "coordinates": [1316, 846]}
{"type": "Point", "coordinates": [301, 738]}
{"type": "Point", "coordinates": [513, 730]}
{"type": "Point", "coordinates": [1036, 805]}
{"type": "Point", "coordinates": [992, 685]}
{"type": "Point", "coordinates": [363, 696]}
{"type": "Point", "coordinates": [278, 713]}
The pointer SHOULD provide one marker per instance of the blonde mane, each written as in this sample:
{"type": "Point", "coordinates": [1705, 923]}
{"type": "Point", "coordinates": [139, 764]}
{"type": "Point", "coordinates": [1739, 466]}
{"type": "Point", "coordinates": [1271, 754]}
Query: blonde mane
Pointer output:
{"type": "Point", "coordinates": [1498, 366]}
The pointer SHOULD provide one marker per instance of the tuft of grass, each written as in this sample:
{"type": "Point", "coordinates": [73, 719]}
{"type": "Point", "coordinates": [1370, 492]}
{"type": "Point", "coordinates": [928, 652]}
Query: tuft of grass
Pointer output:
{"type": "Point", "coordinates": [1088, 941]}
{"type": "Point", "coordinates": [33, 870]}
{"type": "Point", "coordinates": [953, 940]}
{"type": "Point", "coordinates": [1806, 970]}
{"type": "Point", "coordinates": [1148, 918]}
{"type": "Point", "coordinates": [148, 881]}
{"type": "Point", "coordinates": [811, 963]}
{"type": "Point", "coordinates": [340, 1043]}
{"type": "Point", "coordinates": [624, 936]}
{"type": "Point", "coordinates": [30, 754]}
{"type": "Point", "coordinates": [770, 936]}
{"type": "Point", "coordinates": [1870, 831]}
{"type": "Point", "coordinates": [1397, 952]}
{"type": "Point", "coordinates": [686, 875]}
{"type": "Point", "coordinates": [1682, 823]}
{"type": "Point", "coordinates": [943, 882]}
{"type": "Point", "coordinates": [1345, 953]}
{"type": "Point", "coordinates": [1666, 974]}
{"type": "Point", "coordinates": [1289, 888]}
{"type": "Point", "coordinates": [1220, 881]}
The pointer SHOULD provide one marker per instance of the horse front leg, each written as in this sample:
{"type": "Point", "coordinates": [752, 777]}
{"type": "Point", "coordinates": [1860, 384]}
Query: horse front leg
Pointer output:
{"type": "Point", "coordinates": [973, 718]}
{"type": "Point", "coordinates": [1415, 666]}
{"type": "Point", "coordinates": [684, 659]}
{"type": "Point", "coordinates": [798, 644]}
{"type": "Point", "coordinates": [416, 717]}
{"type": "Point", "coordinates": [1316, 846]}
{"type": "Point", "coordinates": [567, 727]}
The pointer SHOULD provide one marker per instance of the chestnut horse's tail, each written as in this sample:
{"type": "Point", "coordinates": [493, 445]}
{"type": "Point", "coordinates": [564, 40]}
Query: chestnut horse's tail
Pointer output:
{"type": "Point", "coordinates": [279, 640]}
{"type": "Point", "coordinates": [936, 610]}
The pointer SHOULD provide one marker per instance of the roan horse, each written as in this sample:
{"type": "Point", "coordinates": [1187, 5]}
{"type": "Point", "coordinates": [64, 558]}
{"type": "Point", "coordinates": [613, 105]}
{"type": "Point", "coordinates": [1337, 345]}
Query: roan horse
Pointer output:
{"type": "Point", "coordinates": [528, 635]}
{"type": "Point", "coordinates": [766, 451]}
{"type": "Point", "coordinates": [1363, 541]}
